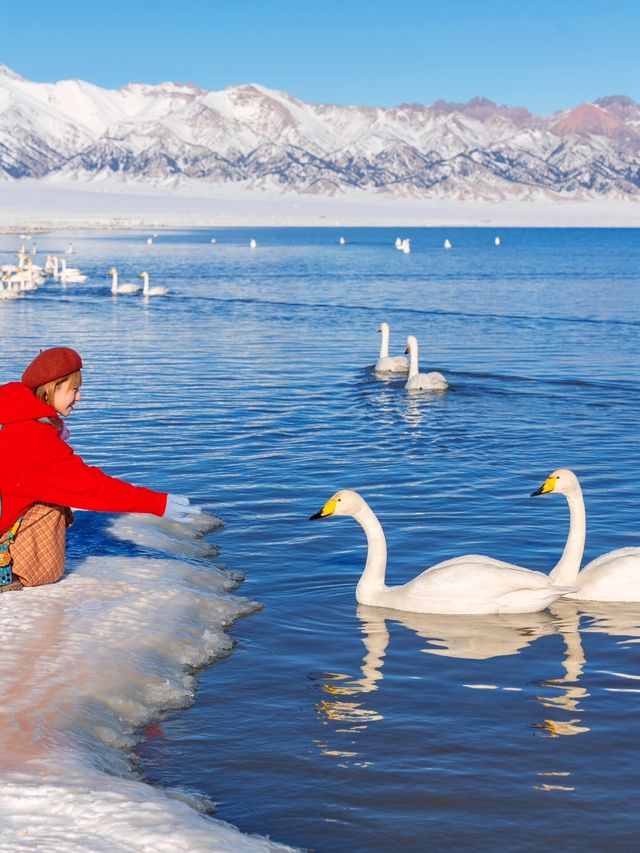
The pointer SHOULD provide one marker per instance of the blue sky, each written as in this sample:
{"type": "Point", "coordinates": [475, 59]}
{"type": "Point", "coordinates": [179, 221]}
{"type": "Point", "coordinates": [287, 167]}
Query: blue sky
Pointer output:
{"type": "Point", "coordinates": [534, 53]}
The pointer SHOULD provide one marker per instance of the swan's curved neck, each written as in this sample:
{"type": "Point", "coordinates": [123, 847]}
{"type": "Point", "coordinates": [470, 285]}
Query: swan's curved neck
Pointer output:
{"type": "Point", "coordinates": [384, 343]}
{"type": "Point", "coordinates": [114, 280]}
{"type": "Point", "coordinates": [145, 283]}
{"type": "Point", "coordinates": [372, 579]}
{"type": "Point", "coordinates": [413, 360]}
{"type": "Point", "coordinates": [566, 570]}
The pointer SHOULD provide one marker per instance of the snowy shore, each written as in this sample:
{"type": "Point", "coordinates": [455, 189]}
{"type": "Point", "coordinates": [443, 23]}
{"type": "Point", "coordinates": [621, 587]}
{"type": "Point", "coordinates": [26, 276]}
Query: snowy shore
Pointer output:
{"type": "Point", "coordinates": [96, 658]}
{"type": "Point", "coordinates": [39, 206]}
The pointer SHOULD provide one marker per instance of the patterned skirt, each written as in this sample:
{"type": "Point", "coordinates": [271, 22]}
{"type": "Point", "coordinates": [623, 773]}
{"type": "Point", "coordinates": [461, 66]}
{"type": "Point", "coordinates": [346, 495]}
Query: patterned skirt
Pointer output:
{"type": "Point", "coordinates": [38, 550]}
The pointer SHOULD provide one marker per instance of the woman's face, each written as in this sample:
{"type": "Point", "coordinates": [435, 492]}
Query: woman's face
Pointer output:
{"type": "Point", "coordinates": [65, 397]}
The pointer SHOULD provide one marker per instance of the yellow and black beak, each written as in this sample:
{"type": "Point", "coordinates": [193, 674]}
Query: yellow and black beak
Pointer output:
{"type": "Point", "coordinates": [548, 486]}
{"type": "Point", "coordinates": [328, 509]}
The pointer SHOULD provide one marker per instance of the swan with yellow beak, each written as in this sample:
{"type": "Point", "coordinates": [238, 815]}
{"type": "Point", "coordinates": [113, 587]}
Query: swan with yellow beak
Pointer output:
{"type": "Point", "coordinates": [470, 584]}
{"type": "Point", "coordinates": [611, 577]}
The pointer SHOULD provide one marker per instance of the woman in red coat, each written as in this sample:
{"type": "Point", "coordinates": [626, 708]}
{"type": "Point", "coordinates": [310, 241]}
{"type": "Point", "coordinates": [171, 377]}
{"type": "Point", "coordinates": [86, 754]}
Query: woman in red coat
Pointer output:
{"type": "Point", "coordinates": [41, 476]}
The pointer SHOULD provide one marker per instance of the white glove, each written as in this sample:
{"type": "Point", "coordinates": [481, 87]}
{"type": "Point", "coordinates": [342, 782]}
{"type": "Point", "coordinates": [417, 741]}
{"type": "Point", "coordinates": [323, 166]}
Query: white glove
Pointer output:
{"type": "Point", "coordinates": [179, 508]}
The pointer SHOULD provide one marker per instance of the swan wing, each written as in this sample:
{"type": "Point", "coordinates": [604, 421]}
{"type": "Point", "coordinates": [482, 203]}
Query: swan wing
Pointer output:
{"type": "Point", "coordinates": [476, 574]}
{"type": "Point", "coordinates": [475, 584]}
{"type": "Point", "coordinates": [611, 577]}
{"type": "Point", "coordinates": [432, 381]}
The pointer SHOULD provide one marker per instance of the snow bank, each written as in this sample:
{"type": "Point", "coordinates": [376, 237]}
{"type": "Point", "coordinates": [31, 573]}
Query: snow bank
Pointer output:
{"type": "Point", "coordinates": [87, 662]}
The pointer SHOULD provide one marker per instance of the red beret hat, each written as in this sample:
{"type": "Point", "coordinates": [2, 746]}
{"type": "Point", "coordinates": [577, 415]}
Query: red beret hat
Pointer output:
{"type": "Point", "coordinates": [51, 364]}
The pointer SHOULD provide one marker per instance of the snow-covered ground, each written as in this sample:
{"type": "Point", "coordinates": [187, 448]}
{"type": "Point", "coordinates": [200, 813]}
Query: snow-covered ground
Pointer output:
{"type": "Point", "coordinates": [92, 660]}
{"type": "Point", "coordinates": [39, 205]}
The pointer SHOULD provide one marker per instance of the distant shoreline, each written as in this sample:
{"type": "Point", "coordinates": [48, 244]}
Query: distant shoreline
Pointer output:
{"type": "Point", "coordinates": [34, 207]}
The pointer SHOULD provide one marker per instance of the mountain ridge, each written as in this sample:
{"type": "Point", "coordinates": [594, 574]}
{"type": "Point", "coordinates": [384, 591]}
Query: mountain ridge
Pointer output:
{"type": "Point", "coordinates": [181, 134]}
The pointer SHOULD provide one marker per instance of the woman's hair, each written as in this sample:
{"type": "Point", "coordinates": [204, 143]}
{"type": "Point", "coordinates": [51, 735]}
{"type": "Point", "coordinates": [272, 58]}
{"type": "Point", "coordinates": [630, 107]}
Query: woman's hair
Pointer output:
{"type": "Point", "coordinates": [45, 392]}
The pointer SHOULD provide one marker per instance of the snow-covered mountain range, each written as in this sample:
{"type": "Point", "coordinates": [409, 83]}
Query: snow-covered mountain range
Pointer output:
{"type": "Point", "coordinates": [179, 134]}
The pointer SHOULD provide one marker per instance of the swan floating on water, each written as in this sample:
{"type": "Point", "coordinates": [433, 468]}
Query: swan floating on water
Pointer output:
{"type": "Point", "coordinates": [149, 241]}
{"type": "Point", "coordinates": [432, 381]}
{"type": "Point", "coordinates": [23, 277]}
{"type": "Point", "coordinates": [7, 292]}
{"type": "Point", "coordinates": [70, 275]}
{"type": "Point", "coordinates": [497, 241]}
{"type": "Point", "coordinates": [125, 287]}
{"type": "Point", "coordinates": [252, 244]}
{"type": "Point", "coordinates": [611, 577]}
{"type": "Point", "coordinates": [406, 246]}
{"type": "Point", "coordinates": [448, 244]}
{"type": "Point", "coordinates": [389, 363]}
{"type": "Point", "coordinates": [470, 584]}
{"type": "Point", "coordinates": [69, 249]}
{"type": "Point", "coordinates": [342, 241]}
{"type": "Point", "coordinates": [152, 291]}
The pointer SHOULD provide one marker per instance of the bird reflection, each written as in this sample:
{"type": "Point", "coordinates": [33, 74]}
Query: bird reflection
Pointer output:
{"type": "Point", "coordinates": [464, 636]}
{"type": "Point", "coordinates": [348, 710]}
{"type": "Point", "coordinates": [350, 701]}
{"type": "Point", "coordinates": [469, 637]}
{"type": "Point", "coordinates": [566, 692]}
{"type": "Point", "coordinates": [603, 617]}
{"type": "Point", "coordinates": [412, 411]}
{"type": "Point", "coordinates": [612, 618]}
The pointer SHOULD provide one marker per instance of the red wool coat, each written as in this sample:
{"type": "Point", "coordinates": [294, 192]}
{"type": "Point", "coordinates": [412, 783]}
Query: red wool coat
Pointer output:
{"type": "Point", "coordinates": [36, 465]}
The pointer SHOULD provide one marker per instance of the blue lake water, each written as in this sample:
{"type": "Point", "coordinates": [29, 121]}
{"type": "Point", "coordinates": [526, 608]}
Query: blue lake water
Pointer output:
{"type": "Point", "coordinates": [249, 387]}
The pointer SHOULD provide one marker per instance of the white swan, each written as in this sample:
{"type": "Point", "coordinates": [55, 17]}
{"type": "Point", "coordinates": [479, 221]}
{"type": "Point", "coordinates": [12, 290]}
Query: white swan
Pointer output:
{"type": "Point", "coordinates": [70, 275]}
{"type": "Point", "coordinates": [152, 291]}
{"type": "Point", "coordinates": [448, 244]}
{"type": "Point", "coordinates": [611, 577]}
{"type": "Point", "coordinates": [23, 278]}
{"type": "Point", "coordinates": [125, 287]}
{"type": "Point", "coordinates": [389, 363]}
{"type": "Point", "coordinates": [432, 381]}
{"type": "Point", "coordinates": [69, 249]}
{"type": "Point", "coordinates": [497, 241]}
{"type": "Point", "coordinates": [469, 584]}
{"type": "Point", "coordinates": [406, 246]}
{"type": "Point", "coordinates": [36, 272]}
{"type": "Point", "coordinates": [149, 241]}
{"type": "Point", "coordinates": [7, 292]}
{"type": "Point", "coordinates": [252, 244]}
{"type": "Point", "coordinates": [342, 241]}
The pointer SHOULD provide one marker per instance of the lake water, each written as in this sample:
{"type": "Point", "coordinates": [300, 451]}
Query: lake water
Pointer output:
{"type": "Point", "coordinates": [249, 388]}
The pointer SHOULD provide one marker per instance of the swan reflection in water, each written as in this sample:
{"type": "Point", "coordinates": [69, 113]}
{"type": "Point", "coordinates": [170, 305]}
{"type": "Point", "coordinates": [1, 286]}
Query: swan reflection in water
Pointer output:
{"type": "Point", "coordinates": [341, 706]}
{"type": "Point", "coordinates": [478, 638]}
{"type": "Point", "coordinates": [465, 637]}
{"type": "Point", "coordinates": [566, 692]}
